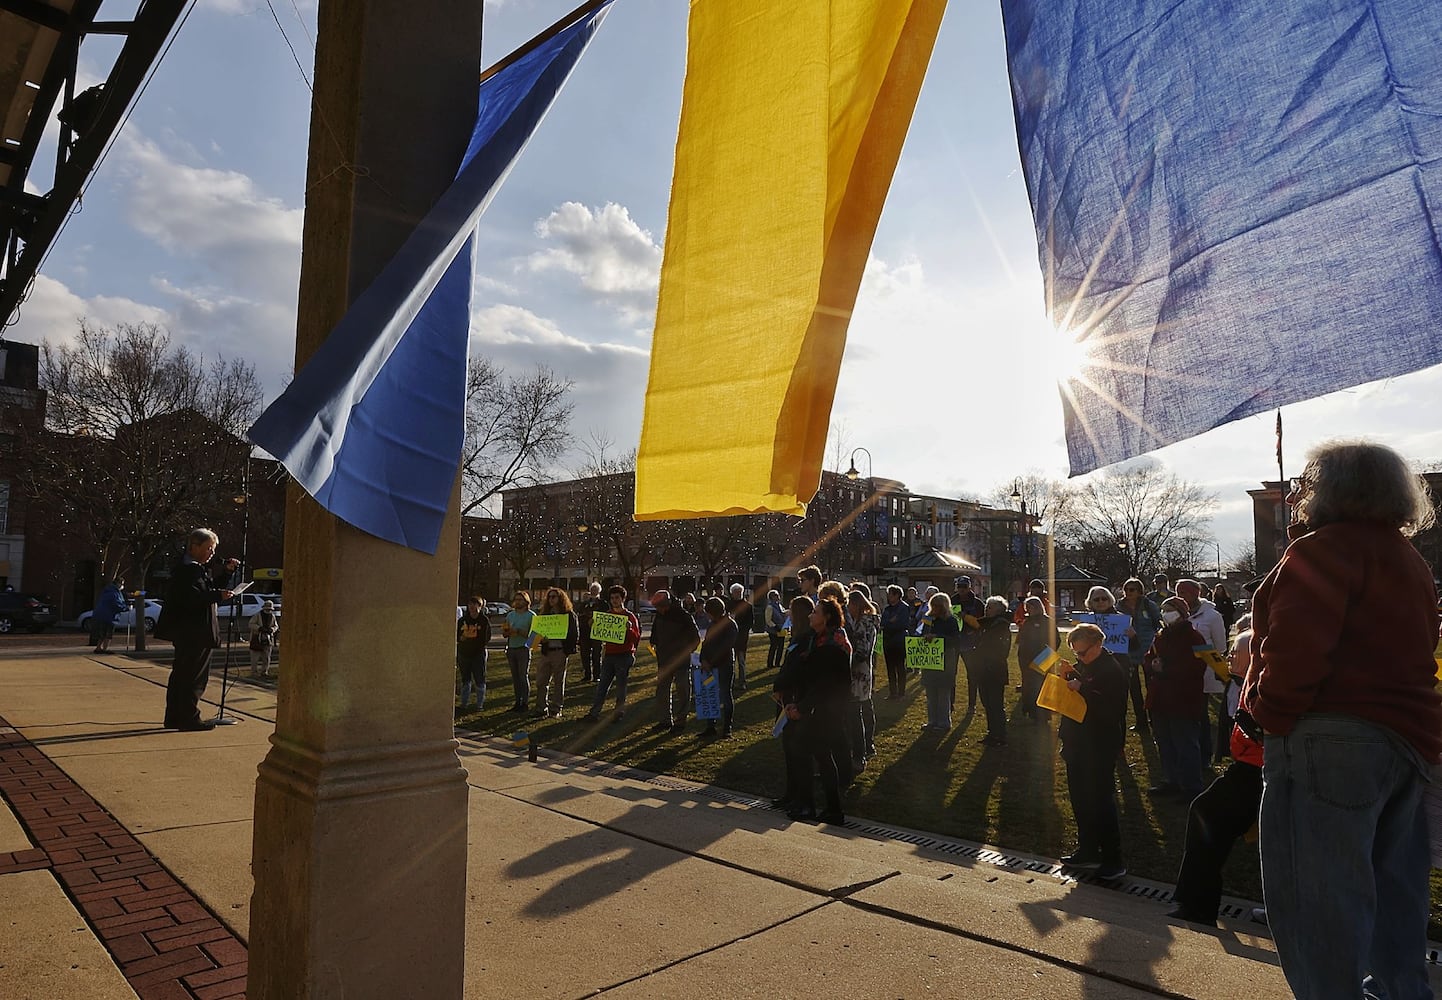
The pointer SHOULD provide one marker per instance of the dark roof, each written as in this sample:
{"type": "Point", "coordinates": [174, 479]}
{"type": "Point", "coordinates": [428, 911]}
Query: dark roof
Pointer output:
{"type": "Point", "coordinates": [1072, 573]}
{"type": "Point", "coordinates": [934, 559]}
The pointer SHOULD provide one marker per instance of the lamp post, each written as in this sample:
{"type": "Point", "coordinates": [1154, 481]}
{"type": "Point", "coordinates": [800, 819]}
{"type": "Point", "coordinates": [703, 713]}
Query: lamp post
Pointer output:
{"type": "Point", "coordinates": [854, 474]}
{"type": "Point", "coordinates": [1016, 495]}
{"type": "Point", "coordinates": [1126, 559]}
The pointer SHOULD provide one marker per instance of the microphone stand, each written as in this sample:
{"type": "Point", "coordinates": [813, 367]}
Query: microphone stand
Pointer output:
{"type": "Point", "coordinates": [221, 719]}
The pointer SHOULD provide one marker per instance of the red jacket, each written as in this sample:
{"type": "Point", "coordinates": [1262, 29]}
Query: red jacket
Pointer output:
{"type": "Point", "coordinates": [1347, 623]}
{"type": "Point", "coordinates": [1175, 688]}
{"type": "Point", "coordinates": [633, 635]}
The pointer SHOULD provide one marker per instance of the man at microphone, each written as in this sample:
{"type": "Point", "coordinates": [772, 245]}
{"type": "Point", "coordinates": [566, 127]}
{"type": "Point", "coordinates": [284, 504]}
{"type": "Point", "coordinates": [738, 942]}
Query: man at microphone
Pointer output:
{"type": "Point", "coordinates": [189, 621]}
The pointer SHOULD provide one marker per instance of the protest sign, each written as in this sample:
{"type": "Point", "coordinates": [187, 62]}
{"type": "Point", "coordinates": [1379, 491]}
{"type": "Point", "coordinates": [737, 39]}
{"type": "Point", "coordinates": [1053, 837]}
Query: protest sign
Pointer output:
{"type": "Point", "coordinates": [1216, 660]}
{"type": "Point", "coordinates": [707, 692]}
{"type": "Point", "coordinates": [924, 653]}
{"type": "Point", "coordinates": [551, 626]}
{"type": "Point", "coordinates": [1114, 626]}
{"type": "Point", "coordinates": [606, 627]}
{"type": "Point", "coordinates": [1055, 696]}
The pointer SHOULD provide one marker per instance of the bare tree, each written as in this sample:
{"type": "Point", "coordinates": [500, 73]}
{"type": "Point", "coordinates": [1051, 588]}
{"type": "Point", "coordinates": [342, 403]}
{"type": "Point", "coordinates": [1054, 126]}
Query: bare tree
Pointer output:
{"type": "Point", "coordinates": [515, 425]}
{"type": "Point", "coordinates": [1040, 495]}
{"type": "Point", "coordinates": [1135, 519]}
{"type": "Point", "coordinates": [839, 444]}
{"type": "Point", "coordinates": [142, 440]}
{"type": "Point", "coordinates": [1242, 559]}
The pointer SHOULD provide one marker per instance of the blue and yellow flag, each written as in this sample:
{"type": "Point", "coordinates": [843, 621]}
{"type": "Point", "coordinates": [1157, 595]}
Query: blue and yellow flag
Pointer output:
{"type": "Point", "coordinates": [1045, 661]}
{"type": "Point", "coordinates": [1215, 659]}
{"type": "Point", "coordinates": [792, 121]}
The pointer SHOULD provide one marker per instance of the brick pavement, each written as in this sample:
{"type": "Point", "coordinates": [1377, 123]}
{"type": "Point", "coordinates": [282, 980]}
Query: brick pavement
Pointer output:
{"type": "Point", "coordinates": [165, 942]}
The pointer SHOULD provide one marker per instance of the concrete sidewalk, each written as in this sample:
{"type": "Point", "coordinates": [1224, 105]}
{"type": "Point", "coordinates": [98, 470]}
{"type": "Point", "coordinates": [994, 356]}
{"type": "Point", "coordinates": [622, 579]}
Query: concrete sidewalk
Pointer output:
{"type": "Point", "coordinates": [580, 882]}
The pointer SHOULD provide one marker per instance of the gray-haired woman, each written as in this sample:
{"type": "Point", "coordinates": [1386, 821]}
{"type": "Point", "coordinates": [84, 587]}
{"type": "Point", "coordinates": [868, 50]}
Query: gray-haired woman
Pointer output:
{"type": "Point", "coordinates": [1343, 684]}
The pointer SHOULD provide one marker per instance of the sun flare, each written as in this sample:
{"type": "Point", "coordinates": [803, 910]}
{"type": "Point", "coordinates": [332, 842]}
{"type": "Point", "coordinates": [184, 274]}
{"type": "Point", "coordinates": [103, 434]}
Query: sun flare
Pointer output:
{"type": "Point", "coordinates": [1066, 355]}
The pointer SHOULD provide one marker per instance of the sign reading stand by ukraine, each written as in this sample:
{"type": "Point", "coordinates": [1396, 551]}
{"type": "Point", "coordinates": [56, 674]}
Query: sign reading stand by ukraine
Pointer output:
{"type": "Point", "coordinates": [924, 653]}
{"type": "Point", "coordinates": [606, 627]}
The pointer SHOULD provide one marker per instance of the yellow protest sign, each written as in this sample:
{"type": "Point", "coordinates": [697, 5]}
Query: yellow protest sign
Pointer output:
{"type": "Point", "coordinates": [924, 653]}
{"type": "Point", "coordinates": [606, 627]}
{"type": "Point", "coordinates": [1439, 668]}
{"type": "Point", "coordinates": [1055, 696]}
{"type": "Point", "coordinates": [551, 626]}
{"type": "Point", "coordinates": [1214, 659]}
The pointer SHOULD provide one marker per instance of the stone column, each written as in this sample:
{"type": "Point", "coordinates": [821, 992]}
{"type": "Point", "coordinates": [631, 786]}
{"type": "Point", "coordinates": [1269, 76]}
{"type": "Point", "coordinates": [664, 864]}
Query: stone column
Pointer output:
{"type": "Point", "coordinates": [360, 807]}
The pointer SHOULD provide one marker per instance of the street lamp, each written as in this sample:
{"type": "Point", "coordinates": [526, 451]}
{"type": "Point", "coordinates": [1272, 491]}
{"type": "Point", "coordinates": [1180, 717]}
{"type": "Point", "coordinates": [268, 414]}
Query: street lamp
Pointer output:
{"type": "Point", "coordinates": [1025, 532]}
{"type": "Point", "coordinates": [854, 474]}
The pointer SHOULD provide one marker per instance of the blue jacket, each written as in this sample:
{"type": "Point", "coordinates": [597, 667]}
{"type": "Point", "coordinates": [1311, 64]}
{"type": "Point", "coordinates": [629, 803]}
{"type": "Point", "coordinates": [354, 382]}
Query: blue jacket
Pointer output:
{"type": "Point", "coordinates": [110, 604]}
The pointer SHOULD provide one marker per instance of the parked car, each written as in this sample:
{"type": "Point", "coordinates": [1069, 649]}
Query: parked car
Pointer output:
{"type": "Point", "coordinates": [126, 618]}
{"type": "Point", "coordinates": [26, 611]}
{"type": "Point", "coordinates": [497, 608]}
{"type": "Point", "coordinates": [249, 604]}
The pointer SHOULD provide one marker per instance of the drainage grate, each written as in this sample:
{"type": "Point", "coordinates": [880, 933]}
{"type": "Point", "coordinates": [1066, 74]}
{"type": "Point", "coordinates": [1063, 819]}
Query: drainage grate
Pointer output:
{"type": "Point", "coordinates": [1232, 908]}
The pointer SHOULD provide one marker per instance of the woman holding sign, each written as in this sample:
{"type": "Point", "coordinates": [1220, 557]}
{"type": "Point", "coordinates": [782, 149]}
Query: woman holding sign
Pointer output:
{"type": "Point", "coordinates": [558, 634]}
{"type": "Point", "coordinates": [939, 684]}
{"type": "Point", "coordinates": [1090, 747]}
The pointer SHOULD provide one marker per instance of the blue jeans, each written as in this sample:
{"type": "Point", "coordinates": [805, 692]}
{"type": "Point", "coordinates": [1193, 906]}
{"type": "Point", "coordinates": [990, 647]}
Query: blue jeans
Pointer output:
{"type": "Point", "coordinates": [1345, 859]}
{"type": "Point", "coordinates": [938, 685]}
{"type": "Point", "coordinates": [614, 667]}
{"type": "Point", "coordinates": [1179, 745]}
{"type": "Point", "coordinates": [519, 658]}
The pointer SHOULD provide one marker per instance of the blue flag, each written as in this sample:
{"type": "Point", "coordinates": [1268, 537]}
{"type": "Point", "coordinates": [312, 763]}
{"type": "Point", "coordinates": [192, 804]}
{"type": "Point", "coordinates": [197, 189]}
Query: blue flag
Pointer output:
{"type": "Point", "coordinates": [372, 425]}
{"type": "Point", "coordinates": [1237, 205]}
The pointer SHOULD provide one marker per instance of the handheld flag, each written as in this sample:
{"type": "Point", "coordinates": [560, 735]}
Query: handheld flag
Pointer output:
{"type": "Point", "coordinates": [373, 422]}
{"type": "Point", "coordinates": [1045, 661]}
{"type": "Point", "coordinates": [792, 122]}
{"type": "Point", "coordinates": [1251, 184]}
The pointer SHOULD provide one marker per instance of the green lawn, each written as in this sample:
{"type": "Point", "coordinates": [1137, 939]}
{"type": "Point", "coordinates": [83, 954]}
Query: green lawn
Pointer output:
{"type": "Point", "coordinates": [1012, 797]}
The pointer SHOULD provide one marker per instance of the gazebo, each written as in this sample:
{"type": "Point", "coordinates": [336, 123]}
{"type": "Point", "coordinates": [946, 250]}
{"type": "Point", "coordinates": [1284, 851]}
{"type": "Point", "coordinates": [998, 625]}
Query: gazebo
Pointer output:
{"type": "Point", "coordinates": [935, 567]}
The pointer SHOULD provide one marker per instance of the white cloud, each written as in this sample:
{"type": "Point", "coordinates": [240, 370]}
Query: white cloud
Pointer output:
{"type": "Point", "coordinates": [53, 312]}
{"type": "Point", "coordinates": [613, 256]}
{"type": "Point", "coordinates": [610, 379]}
{"type": "Point", "coordinates": [217, 218]}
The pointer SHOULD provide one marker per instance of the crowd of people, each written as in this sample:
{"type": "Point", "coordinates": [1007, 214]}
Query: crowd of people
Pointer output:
{"type": "Point", "coordinates": [1321, 704]}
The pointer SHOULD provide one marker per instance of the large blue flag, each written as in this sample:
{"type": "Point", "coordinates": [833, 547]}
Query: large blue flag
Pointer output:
{"type": "Point", "coordinates": [372, 425]}
{"type": "Point", "coordinates": [1238, 204]}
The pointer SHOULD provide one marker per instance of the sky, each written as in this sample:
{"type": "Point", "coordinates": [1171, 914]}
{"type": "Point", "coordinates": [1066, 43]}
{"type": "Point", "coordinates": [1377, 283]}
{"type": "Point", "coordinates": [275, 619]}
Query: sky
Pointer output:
{"type": "Point", "coordinates": [194, 222]}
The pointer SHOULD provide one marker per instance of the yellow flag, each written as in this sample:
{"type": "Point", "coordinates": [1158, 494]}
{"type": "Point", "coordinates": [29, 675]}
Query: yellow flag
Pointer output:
{"type": "Point", "coordinates": [792, 121]}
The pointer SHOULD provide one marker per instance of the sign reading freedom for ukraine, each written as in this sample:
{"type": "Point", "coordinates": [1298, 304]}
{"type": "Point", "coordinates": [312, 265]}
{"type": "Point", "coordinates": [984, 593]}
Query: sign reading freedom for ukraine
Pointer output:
{"type": "Point", "coordinates": [1115, 627]}
{"type": "Point", "coordinates": [924, 653]}
{"type": "Point", "coordinates": [551, 626]}
{"type": "Point", "coordinates": [606, 627]}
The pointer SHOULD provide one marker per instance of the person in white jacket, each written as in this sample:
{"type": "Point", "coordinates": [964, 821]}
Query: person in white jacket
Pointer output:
{"type": "Point", "coordinates": [1207, 620]}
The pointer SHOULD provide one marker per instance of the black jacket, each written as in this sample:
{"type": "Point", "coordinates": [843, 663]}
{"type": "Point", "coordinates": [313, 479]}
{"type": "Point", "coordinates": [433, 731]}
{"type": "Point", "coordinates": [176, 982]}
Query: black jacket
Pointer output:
{"type": "Point", "coordinates": [1104, 686]}
{"type": "Point", "coordinates": [673, 633]}
{"type": "Point", "coordinates": [993, 644]}
{"type": "Point", "coordinates": [718, 649]}
{"type": "Point", "coordinates": [189, 611]}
